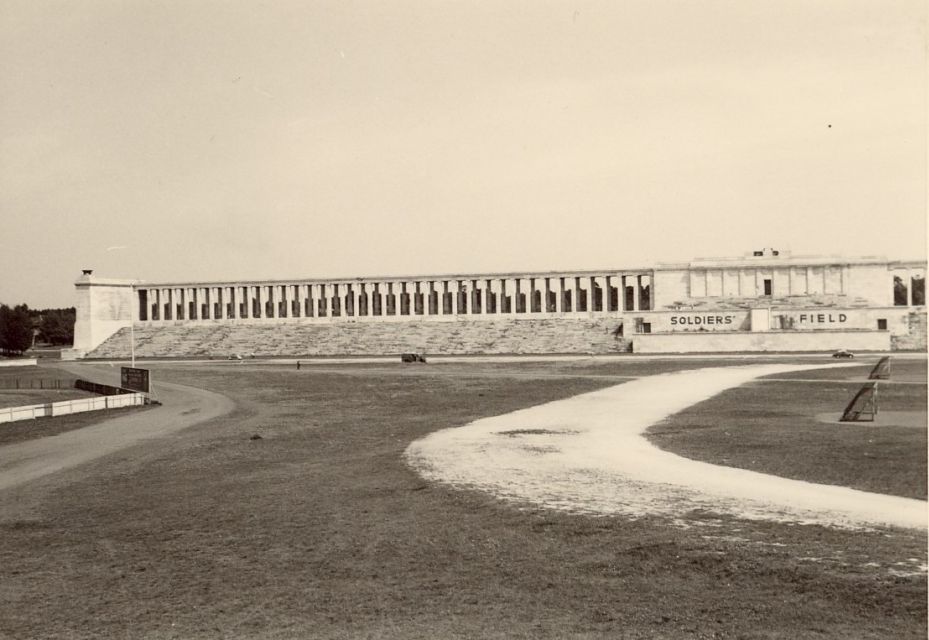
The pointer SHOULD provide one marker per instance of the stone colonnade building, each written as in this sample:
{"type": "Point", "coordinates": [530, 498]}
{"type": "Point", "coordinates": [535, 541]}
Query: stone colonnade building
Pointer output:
{"type": "Point", "coordinates": [447, 297]}
{"type": "Point", "coordinates": [670, 307]}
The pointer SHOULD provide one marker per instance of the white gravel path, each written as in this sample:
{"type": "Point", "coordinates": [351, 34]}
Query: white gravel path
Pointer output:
{"type": "Point", "coordinates": [589, 454]}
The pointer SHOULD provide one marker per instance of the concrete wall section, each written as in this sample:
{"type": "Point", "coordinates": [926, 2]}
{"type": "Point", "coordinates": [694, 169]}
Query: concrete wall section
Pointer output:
{"type": "Point", "coordinates": [677, 321]}
{"type": "Point", "coordinates": [18, 362]}
{"type": "Point", "coordinates": [914, 339]}
{"type": "Point", "coordinates": [720, 342]}
{"type": "Point", "coordinates": [103, 307]}
{"type": "Point", "coordinates": [672, 286]}
{"type": "Point", "coordinates": [65, 407]}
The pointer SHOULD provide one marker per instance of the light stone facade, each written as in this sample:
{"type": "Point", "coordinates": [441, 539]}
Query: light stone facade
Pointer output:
{"type": "Point", "coordinates": [741, 292]}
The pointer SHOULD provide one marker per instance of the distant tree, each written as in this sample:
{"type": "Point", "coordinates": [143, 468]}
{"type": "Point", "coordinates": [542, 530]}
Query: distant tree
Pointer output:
{"type": "Point", "coordinates": [16, 332]}
{"type": "Point", "coordinates": [56, 326]}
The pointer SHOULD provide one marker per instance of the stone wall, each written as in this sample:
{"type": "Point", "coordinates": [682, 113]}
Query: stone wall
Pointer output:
{"type": "Point", "coordinates": [222, 340]}
{"type": "Point", "coordinates": [719, 342]}
{"type": "Point", "coordinates": [915, 339]}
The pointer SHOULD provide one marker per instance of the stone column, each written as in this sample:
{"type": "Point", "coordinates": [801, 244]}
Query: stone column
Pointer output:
{"type": "Point", "coordinates": [364, 296]}
{"type": "Point", "coordinates": [418, 299]}
{"type": "Point", "coordinates": [485, 297]}
{"type": "Point", "coordinates": [356, 299]}
{"type": "Point", "coordinates": [262, 295]}
{"type": "Point", "coordinates": [325, 297]}
{"type": "Point", "coordinates": [555, 285]}
{"type": "Point", "coordinates": [618, 282]}
{"type": "Point", "coordinates": [250, 292]}
{"type": "Point", "coordinates": [493, 293]}
{"type": "Point", "coordinates": [389, 289]}
{"type": "Point", "coordinates": [274, 297]}
{"type": "Point", "coordinates": [373, 296]}
{"type": "Point", "coordinates": [530, 293]}
{"type": "Point", "coordinates": [425, 288]}
{"type": "Point", "coordinates": [454, 288]}
{"type": "Point", "coordinates": [281, 307]}
{"type": "Point", "coordinates": [569, 288]}
{"type": "Point", "coordinates": [309, 310]}
{"type": "Point", "coordinates": [524, 287]}
{"type": "Point", "coordinates": [506, 286]}
{"type": "Point", "coordinates": [601, 283]}
{"type": "Point", "coordinates": [316, 292]}
{"type": "Point", "coordinates": [637, 293]}
{"type": "Point", "coordinates": [297, 306]}
{"type": "Point", "coordinates": [312, 309]}
{"type": "Point", "coordinates": [577, 292]}
{"type": "Point", "coordinates": [345, 295]}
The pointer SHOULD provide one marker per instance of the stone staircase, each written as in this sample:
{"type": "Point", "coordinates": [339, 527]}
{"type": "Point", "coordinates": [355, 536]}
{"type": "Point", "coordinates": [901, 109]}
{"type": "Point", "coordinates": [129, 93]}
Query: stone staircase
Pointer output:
{"type": "Point", "coordinates": [511, 336]}
{"type": "Point", "coordinates": [775, 302]}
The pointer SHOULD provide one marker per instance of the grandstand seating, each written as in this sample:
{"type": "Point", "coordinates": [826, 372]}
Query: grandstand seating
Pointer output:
{"type": "Point", "coordinates": [511, 336]}
{"type": "Point", "coordinates": [775, 302]}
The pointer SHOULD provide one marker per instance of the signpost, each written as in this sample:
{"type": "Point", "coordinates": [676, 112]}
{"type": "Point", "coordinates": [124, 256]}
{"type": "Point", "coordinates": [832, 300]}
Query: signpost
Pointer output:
{"type": "Point", "coordinates": [135, 379]}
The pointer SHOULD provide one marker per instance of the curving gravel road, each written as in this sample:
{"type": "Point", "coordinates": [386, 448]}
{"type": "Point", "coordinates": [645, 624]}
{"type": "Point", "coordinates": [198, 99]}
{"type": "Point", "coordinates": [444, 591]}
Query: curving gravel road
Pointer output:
{"type": "Point", "coordinates": [589, 454]}
{"type": "Point", "coordinates": [183, 407]}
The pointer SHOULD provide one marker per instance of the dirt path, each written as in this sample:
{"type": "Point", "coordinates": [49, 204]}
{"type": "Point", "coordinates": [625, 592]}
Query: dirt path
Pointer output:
{"type": "Point", "coordinates": [589, 454]}
{"type": "Point", "coordinates": [183, 407]}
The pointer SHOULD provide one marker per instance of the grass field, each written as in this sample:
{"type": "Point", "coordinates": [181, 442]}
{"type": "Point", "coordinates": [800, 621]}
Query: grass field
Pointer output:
{"type": "Point", "coordinates": [771, 426]}
{"type": "Point", "coordinates": [22, 386]}
{"type": "Point", "coordinates": [23, 430]}
{"type": "Point", "coordinates": [23, 397]}
{"type": "Point", "coordinates": [318, 529]}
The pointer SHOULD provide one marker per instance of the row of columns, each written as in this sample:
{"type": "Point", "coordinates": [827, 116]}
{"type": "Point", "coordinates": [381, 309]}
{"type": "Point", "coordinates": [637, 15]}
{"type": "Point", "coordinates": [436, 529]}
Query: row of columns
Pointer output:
{"type": "Point", "coordinates": [478, 296]}
{"type": "Point", "coordinates": [909, 287]}
{"type": "Point", "coordinates": [777, 281]}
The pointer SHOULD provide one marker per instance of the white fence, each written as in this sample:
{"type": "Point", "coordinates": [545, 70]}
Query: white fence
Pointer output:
{"type": "Point", "coordinates": [13, 414]}
{"type": "Point", "coordinates": [18, 362]}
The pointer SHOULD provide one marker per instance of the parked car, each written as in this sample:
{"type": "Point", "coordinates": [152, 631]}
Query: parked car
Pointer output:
{"type": "Point", "coordinates": [842, 353]}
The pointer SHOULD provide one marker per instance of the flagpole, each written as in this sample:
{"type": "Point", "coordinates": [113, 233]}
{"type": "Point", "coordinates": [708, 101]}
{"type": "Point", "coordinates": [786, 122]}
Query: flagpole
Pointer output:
{"type": "Point", "coordinates": [132, 325]}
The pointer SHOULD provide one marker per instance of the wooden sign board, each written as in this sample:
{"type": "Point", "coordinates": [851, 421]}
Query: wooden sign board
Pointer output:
{"type": "Point", "coordinates": [135, 379]}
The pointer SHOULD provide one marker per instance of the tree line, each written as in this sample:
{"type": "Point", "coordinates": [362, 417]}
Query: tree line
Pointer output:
{"type": "Point", "coordinates": [21, 327]}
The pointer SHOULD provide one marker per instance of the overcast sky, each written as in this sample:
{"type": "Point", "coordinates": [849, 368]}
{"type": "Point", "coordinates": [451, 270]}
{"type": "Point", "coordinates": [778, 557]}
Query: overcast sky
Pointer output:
{"type": "Point", "coordinates": [244, 139]}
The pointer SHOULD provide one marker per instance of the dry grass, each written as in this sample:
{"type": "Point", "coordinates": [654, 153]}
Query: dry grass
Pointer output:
{"type": "Point", "coordinates": [772, 427]}
{"type": "Point", "coordinates": [23, 397]}
{"type": "Point", "coordinates": [319, 530]}
{"type": "Point", "coordinates": [23, 430]}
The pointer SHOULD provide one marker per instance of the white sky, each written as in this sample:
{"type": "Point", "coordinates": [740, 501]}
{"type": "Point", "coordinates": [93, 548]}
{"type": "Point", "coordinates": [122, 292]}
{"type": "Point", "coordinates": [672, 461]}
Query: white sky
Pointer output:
{"type": "Point", "coordinates": [218, 140]}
